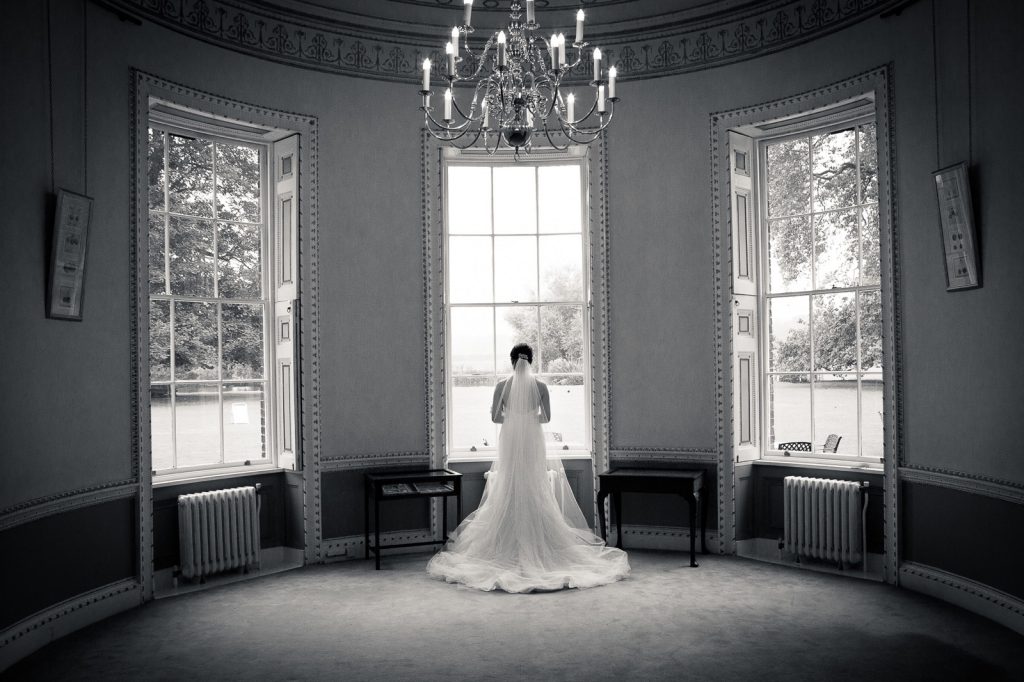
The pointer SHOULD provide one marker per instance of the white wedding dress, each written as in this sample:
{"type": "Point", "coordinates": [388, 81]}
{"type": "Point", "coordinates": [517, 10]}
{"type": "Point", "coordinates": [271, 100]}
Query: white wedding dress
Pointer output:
{"type": "Point", "coordinates": [521, 538]}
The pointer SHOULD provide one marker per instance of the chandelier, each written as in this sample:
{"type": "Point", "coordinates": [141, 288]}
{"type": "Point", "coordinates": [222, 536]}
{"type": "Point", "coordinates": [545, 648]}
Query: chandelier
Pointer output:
{"type": "Point", "coordinates": [516, 81]}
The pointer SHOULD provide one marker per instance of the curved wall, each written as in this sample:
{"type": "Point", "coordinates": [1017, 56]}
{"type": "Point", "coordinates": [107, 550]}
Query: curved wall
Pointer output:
{"type": "Point", "coordinates": [65, 403]}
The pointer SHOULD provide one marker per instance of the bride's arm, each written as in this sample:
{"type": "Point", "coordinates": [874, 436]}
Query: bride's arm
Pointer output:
{"type": "Point", "coordinates": [545, 403]}
{"type": "Point", "coordinates": [499, 398]}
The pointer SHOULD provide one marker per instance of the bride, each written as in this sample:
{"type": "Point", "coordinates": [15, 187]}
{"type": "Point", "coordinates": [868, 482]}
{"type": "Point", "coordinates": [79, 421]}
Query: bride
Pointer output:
{"type": "Point", "coordinates": [520, 538]}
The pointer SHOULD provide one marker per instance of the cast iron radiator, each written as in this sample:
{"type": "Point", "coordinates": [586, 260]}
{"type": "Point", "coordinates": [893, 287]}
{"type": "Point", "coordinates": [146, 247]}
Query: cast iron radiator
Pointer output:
{"type": "Point", "coordinates": [218, 530]}
{"type": "Point", "coordinates": [824, 518]}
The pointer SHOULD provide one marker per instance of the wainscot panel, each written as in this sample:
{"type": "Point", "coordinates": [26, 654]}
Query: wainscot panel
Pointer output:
{"type": "Point", "coordinates": [663, 509]}
{"type": "Point", "coordinates": [57, 557]}
{"type": "Point", "coordinates": [973, 536]}
{"type": "Point", "coordinates": [342, 506]}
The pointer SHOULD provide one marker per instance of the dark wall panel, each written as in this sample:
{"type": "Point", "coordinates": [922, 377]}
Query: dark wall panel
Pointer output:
{"type": "Point", "coordinates": [342, 506]}
{"type": "Point", "coordinates": [165, 513]}
{"type": "Point", "coordinates": [970, 535]}
{"type": "Point", "coordinates": [44, 562]}
{"type": "Point", "coordinates": [668, 510]}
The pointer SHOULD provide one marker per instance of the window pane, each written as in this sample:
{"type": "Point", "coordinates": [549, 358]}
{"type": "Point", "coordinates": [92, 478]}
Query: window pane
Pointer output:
{"type": "Point", "coordinates": [871, 424]}
{"type": "Point", "coordinates": [561, 340]}
{"type": "Point", "coordinates": [160, 340]}
{"type": "Point", "coordinates": [835, 411]}
{"type": "Point", "coordinates": [155, 172]}
{"type": "Point", "coordinates": [568, 425]}
{"type": "Point", "coordinates": [242, 340]}
{"type": "Point", "coordinates": [790, 410]}
{"type": "Point", "coordinates": [238, 183]}
{"type": "Point", "coordinates": [469, 270]}
{"type": "Point", "coordinates": [834, 164]}
{"type": "Point", "coordinates": [870, 252]}
{"type": "Point", "coordinates": [558, 198]}
{"type": "Point", "coordinates": [470, 412]}
{"type": "Point", "coordinates": [190, 176]}
{"type": "Point", "coordinates": [561, 276]}
{"type": "Point", "coordinates": [160, 427]}
{"type": "Point", "coordinates": [469, 200]}
{"type": "Point", "coordinates": [835, 332]}
{"type": "Point", "coordinates": [515, 324]}
{"type": "Point", "coordinates": [240, 268]}
{"type": "Point", "coordinates": [515, 199]}
{"type": "Point", "coordinates": [789, 187]}
{"type": "Point", "coordinates": [157, 275]}
{"type": "Point", "coordinates": [191, 257]}
{"type": "Point", "coordinates": [789, 254]}
{"type": "Point", "coordinates": [870, 330]}
{"type": "Point", "coordinates": [789, 343]}
{"type": "Point", "coordinates": [868, 164]}
{"type": "Point", "coordinates": [472, 333]}
{"type": "Point", "coordinates": [197, 424]}
{"type": "Point", "coordinates": [244, 422]}
{"type": "Point", "coordinates": [195, 340]}
{"type": "Point", "coordinates": [515, 269]}
{"type": "Point", "coordinates": [835, 249]}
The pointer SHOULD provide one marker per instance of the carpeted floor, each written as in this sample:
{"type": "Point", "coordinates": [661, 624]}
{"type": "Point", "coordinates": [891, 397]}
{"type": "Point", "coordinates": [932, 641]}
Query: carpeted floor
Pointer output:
{"type": "Point", "coordinates": [730, 619]}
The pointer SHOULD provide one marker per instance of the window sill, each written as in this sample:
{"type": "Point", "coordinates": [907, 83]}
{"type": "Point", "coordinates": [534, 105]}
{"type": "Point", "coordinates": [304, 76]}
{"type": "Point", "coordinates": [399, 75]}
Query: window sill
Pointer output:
{"type": "Point", "coordinates": [491, 455]}
{"type": "Point", "coordinates": [179, 478]}
{"type": "Point", "coordinates": [820, 463]}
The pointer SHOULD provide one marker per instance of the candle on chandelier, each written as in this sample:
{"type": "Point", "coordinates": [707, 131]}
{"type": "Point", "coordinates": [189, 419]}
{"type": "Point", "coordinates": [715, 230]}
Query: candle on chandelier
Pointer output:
{"type": "Point", "coordinates": [553, 49]}
{"type": "Point", "coordinates": [529, 119]}
{"type": "Point", "coordinates": [448, 104]}
{"type": "Point", "coordinates": [467, 12]}
{"type": "Point", "coordinates": [612, 75]}
{"type": "Point", "coordinates": [450, 51]}
{"type": "Point", "coordinates": [501, 49]}
{"type": "Point", "coordinates": [570, 105]}
{"type": "Point", "coordinates": [455, 39]}
{"type": "Point", "coordinates": [487, 115]}
{"type": "Point", "coordinates": [530, 17]}
{"type": "Point", "coordinates": [579, 27]}
{"type": "Point", "coordinates": [600, 99]}
{"type": "Point", "coordinates": [426, 75]}
{"type": "Point", "coordinates": [561, 49]}
{"type": "Point", "coordinates": [597, 63]}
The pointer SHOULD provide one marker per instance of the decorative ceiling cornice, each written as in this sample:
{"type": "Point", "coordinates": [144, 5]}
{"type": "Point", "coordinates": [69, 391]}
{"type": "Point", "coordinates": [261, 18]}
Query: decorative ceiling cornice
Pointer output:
{"type": "Point", "coordinates": [325, 44]}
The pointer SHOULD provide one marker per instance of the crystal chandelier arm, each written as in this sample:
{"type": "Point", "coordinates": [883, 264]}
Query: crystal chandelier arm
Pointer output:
{"type": "Point", "coordinates": [479, 58]}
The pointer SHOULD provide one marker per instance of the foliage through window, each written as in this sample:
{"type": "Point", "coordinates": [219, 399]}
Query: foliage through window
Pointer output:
{"type": "Point", "coordinates": [515, 273]}
{"type": "Point", "coordinates": [822, 296]}
{"type": "Point", "coordinates": [208, 302]}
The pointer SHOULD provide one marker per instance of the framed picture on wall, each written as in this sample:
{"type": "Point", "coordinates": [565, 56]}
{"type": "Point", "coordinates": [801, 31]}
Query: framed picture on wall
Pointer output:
{"type": "Point", "coordinates": [66, 283]}
{"type": "Point", "coordinates": [956, 216]}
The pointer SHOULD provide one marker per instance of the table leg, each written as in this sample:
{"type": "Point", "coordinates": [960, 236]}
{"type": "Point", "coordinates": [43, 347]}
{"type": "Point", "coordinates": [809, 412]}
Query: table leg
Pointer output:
{"type": "Point", "coordinates": [376, 529]}
{"type": "Point", "coordinates": [703, 522]}
{"type": "Point", "coordinates": [691, 504]}
{"type": "Point", "coordinates": [601, 496]}
{"type": "Point", "coordinates": [444, 518]}
{"type": "Point", "coordinates": [366, 521]}
{"type": "Point", "coordinates": [617, 497]}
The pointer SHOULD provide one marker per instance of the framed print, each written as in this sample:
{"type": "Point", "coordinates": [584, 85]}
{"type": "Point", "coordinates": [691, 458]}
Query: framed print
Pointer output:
{"type": "Point", "coordinates": [956, 216]}
{"type": "Point", "coordinates": [67, 256]}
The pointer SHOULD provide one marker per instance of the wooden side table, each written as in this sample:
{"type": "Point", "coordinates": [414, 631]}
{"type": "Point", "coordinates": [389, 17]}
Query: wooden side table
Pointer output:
{"type": "Point", "coordinates": [686, 482]}
{"type": "Point", "coordinates": [403, 485]}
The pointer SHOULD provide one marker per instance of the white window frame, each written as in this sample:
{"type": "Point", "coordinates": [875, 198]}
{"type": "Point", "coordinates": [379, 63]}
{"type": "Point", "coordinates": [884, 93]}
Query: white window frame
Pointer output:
{"type": "Point", "coordinates": [811, 124]}
{"type": "Point", "coordinates": [474, 157]}
{"type": "Point", "coordinates": [201, 125]}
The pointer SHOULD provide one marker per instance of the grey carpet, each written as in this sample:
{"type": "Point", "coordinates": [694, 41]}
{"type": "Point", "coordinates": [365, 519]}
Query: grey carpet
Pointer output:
{"type": "Point", "coordinates": [730, 619]}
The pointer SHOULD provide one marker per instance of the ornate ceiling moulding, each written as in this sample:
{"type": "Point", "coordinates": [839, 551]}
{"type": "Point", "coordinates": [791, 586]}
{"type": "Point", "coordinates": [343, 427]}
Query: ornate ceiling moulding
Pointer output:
{"type": "Point", "coordinates": [319, 37]}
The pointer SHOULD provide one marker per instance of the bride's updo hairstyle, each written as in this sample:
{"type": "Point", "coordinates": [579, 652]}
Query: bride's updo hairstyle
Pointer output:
{"type": "Point", "coordinates": [524, 349]}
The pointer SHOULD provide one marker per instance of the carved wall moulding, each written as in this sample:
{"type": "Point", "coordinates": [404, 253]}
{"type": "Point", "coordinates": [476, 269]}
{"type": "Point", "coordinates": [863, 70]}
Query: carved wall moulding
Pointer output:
{"type": "Point", "coordinates": [318, 41]}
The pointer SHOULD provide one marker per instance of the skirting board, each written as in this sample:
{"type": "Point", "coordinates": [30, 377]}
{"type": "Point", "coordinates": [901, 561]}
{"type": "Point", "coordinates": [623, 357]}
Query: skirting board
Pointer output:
{"type": "Point", "coordinates": [983, 600]}
{"type": "Point", "coordinates": [672, 538]}
{"type": "Point", "coordinates": [38, 630]}
{"type": "Point", "coordinates": [352, 546]}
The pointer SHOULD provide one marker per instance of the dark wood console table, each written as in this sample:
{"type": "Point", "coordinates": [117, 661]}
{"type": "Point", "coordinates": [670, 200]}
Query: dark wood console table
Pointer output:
{"type": "Point", "coordinates": [686, 482]}
{"type": "Point", "coordinates": [403, 485]}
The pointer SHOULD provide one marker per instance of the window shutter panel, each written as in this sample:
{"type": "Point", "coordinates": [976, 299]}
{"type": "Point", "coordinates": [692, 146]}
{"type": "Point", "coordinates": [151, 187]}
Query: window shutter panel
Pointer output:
{"type": "Point", "coordinates": [745, 367]}
{"type": "Point", "coordinates": [286, 223]}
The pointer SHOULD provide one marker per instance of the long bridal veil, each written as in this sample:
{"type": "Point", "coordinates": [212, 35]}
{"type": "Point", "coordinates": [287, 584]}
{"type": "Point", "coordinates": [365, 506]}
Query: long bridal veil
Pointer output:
{"type": "Point", "coordinates": [528, 532]}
